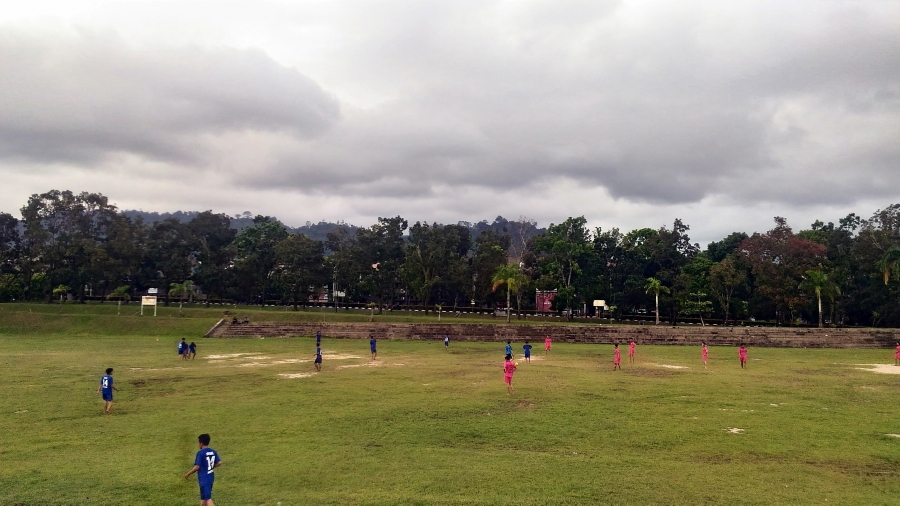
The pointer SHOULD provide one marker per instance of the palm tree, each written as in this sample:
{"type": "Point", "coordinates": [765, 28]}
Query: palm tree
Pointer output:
{"type": "Point", "coordinates": [120, 293]}
{"type": "Point", "coordinates": [182, 289]}
{"type": "Point", "coordinates": [889, 265]}
{"type": "Point", "coordinates": [654, 285]}
{"type": "Point", "coordinates": [439, 307]}
{"type": "Point", "coordinates": [61, 290]}
{"type": "Point", "coordinates": [817, 282]}
{"type": "Point", "coordinates": [372, 308]}
{"type": "Point", "coordinates": [512, 277]}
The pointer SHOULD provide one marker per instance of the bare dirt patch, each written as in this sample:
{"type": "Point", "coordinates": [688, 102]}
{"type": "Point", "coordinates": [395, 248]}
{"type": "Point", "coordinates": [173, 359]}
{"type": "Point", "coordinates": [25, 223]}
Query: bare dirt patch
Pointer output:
{"type": "Point", "coordinates": [367, 364]}
{"type": "Point", "coordinates": [228, 355]}
{"type": "Point", "coordinates": [338, 356]}
{"type": "Point", "coordinates": [669, 366]}
{"type": "Point", "coordinates": [879, 368]}
{"type": "Point", "coordinates": [733, 430]}
{"type": "Point", "coordinates": [296, 375]}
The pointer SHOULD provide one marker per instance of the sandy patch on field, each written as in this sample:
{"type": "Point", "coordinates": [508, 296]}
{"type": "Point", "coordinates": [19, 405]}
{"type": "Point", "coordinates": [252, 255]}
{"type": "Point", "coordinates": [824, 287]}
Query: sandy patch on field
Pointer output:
{"type": "Point", "coordinates": [21, 411]}
{"type": "Point", "coordinates": [367, 364]}
{"type": "Point", "coordinates": [733, 430]}
{"type": "Point", "coordinates": [338, 356]}
{"type": "Point", "coordinates": [296, 375]}
{"type": "Point", "coordinates": [880, 368]}
{"type": "Point", "coordinates": [668, 366]}
{"type": "Point", "coordinates": [229, 355]}
{"type": "Point", "coordinates": [274, 362]}
{"type": "Point", "coordinates": [892, 435]}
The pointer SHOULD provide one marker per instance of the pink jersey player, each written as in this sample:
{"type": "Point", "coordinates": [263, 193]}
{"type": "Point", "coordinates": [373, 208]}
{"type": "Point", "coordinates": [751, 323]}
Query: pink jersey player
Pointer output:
{"type": "Point", "coordinates": [617, 359]}
{"type": "Point", "coordinates": [631, 351]}
{"type": "Point", "coordinates": [547, 343]}
{"type": "Point", "coordinates": [742, 352]}
{"type": "Point", "coordinates": [705, 353]}
{"type": "Point", "coordinates": [897, 355]}
{"type": "Point", "coordinates": [509, 368]}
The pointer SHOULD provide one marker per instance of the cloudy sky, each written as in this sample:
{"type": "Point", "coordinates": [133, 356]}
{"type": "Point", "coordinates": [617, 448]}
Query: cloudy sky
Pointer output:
{"type": "Point", "coordinates": [631, 113]}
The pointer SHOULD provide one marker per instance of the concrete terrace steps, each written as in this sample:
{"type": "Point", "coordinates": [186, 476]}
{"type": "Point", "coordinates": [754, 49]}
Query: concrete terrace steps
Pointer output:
{"type": "Point", "coordinates": [645, 334]}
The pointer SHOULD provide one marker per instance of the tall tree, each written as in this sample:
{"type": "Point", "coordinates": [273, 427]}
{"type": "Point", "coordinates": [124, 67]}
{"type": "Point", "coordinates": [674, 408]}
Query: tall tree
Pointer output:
{"type": "Point", "coordinates": [255, 248]}
{"type": "Point", "coordinates": [818, 283]}
{"type": "Point", "coordinates": [778, 260]}
{"type": "Point", "coordinates": [511, 276]}
{"type": "Point", "coordinates": [213, 238]}
{"type": "Point", "coordinates": [561, 253]}
{"type": "Point", "coordinates": [299, 267]}
{"type": "Point", "coordinates": [655, 286]}
{"type": "Point", "coordinates": [724, 278]}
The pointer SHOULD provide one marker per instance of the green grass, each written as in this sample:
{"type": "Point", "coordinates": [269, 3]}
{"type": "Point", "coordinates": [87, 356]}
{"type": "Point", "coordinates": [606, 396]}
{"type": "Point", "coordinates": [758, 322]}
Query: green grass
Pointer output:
{"type": "Point", "coordinates": [430, 427]}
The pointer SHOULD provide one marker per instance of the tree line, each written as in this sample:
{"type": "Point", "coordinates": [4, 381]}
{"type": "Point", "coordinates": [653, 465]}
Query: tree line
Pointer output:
{"type": "Point", "coordinates": [80, 245]}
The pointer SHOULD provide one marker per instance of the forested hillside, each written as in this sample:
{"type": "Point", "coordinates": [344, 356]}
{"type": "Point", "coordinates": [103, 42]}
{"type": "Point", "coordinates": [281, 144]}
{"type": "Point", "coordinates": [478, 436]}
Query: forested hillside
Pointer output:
{"type": "Point", "coordinates": [67, 245]}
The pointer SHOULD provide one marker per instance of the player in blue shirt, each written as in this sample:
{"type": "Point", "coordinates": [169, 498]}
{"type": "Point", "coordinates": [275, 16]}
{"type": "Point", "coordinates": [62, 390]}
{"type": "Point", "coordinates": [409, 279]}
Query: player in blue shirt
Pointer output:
{"type": "Point", "coordinates": [318, 358]}
{"type": "Point", "coordinates": [372, 343]}
{"type": "Point", "coordinates": [447, 342]}
{"type": "Point", "coordinates": [106, 388]}
{"type": "Point", "coordinates": [527, 349]}
{"type": "Point", "coordinates": [205, 463]}
{"type": "Point", "coordinates": [318, 337]}
{"type": "Point", "coordinates": [192, 350]}
{"type": "Point", "coordinates": [509, 348]}
{"type": "Point", "coordinates": [182, 349]}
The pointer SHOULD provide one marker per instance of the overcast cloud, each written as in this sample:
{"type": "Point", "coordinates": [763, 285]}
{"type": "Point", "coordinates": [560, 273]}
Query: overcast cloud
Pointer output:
{"type": "Point", "coordinates": [632, 113]}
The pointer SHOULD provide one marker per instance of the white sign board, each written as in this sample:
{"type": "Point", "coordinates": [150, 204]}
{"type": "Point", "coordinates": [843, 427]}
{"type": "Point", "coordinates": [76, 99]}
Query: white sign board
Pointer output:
{"type": "Point", "coordinates": [148, 300]}
{"type": "Point", "coordinates": [599, 303]}
{"type": "Point", "coordinates": [153, 291]}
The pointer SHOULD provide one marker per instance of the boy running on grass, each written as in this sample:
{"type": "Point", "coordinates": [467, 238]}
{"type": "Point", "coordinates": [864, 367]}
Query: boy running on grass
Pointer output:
{"type": "Point", "coordinates": [509, 368]}
{"type": "Point", "coordinates": [182, 349]}
{"type": "Point", "coordinates": [205, 463]}
{"type": "Point", "coordinates": [318, 337]}
{"type": "Point", "coordinates": [547, 343]}
{"type": "Point", "coordinates": [106, 387]}
{"type": "Point", "coordinates": [318, 361]}
{"type": "Point", "coordinates": [527, 349]}
{"type": "Point", "coordinates": [192, 350]}
{"type": "Point", "coordinates": [617, 359]}
{"type": "Point", "coordinates": [372, 343]}
{"type": "Point", "coordinates": [742, 352]}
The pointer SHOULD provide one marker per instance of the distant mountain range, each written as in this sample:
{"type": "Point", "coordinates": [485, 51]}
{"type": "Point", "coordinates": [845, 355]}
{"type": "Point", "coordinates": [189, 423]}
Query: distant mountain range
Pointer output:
{"type": "Point", "coordinates": [318, 231]}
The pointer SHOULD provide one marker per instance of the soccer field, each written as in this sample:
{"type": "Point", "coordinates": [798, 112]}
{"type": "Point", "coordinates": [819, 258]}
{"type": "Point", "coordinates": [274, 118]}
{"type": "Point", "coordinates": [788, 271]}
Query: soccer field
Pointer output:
{"type": "Point", "coordinates": [424, 426]}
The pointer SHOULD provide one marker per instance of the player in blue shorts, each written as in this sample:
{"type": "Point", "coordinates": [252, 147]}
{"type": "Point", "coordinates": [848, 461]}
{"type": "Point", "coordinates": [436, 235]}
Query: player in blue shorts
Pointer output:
{"type": "Point", "coordinates": [527, 349]}
{"type": "Point", "coordinates": [205, 463]}
{"type": "Point", "coordinates": [318, 358]}
{"type": "Point", "coordinates": [447, 342]}
{"type": "Point", "coordinates": [182, 349]}
{"type": "Point", "coordinates": [372, 343]}
{"type": "Point", "coordinates": [509, 348]}
{"type": "Point", "coordinates": [318, 337]}
{"type": "Point", "coordinates": [192, 350]}
{"type": "Point", "coordinates": [106, 388]}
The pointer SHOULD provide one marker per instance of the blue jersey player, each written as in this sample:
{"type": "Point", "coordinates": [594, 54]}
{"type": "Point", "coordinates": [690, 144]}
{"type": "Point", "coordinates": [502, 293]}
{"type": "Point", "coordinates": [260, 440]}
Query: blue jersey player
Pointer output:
{"type": "Point", "coordinates": [372, 343]}
{"type": "Point", "coordinates": [205, 463]}
{"type": "Point", "coordinates": [527, 349]}
{"type": "Point", "coordinates": [318, 337]}
{"type": "Point", "coordinates": [182, 349]}
{"type": "Point", "coordinates": [318, 358]}
{"type": "Point", "coordinates": [106, 388]}
{"type": "Point", "coordinates": [509, 348]}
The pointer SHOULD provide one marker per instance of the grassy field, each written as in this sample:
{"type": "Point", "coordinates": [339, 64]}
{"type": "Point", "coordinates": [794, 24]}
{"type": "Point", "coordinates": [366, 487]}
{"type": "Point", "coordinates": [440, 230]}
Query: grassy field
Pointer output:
{"type": "Point", "coordinates": [424, 426]}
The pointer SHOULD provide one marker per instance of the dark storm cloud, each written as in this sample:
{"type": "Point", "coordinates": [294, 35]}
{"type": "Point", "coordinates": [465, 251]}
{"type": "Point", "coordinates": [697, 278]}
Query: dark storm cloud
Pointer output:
{"type": "Point", "coordinates": [78, 97]}
{"type": "Point", "coordinates": [663, 102]}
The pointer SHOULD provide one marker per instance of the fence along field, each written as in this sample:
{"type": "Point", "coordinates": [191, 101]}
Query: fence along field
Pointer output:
{"type": "Point", "coordinates": [428, 426]}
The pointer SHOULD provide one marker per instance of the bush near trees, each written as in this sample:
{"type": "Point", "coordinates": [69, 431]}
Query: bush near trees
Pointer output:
{"type": "Point", "coordinates": [844, 273]}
